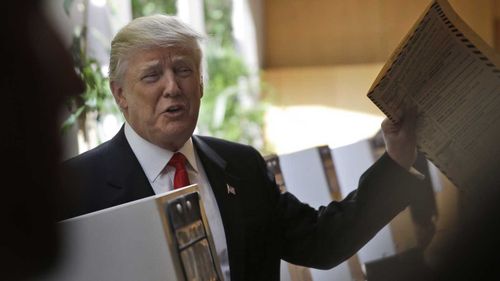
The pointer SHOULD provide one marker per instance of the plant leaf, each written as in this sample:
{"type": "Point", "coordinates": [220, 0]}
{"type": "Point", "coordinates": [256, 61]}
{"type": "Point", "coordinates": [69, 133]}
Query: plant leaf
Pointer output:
{"type": "Point", "coordinates": [71, 119]}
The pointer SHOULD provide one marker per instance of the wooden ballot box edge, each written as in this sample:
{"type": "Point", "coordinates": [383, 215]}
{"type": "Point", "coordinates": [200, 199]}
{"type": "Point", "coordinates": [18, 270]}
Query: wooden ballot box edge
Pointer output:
{"type": "Point", "coordinates": [161, 201]}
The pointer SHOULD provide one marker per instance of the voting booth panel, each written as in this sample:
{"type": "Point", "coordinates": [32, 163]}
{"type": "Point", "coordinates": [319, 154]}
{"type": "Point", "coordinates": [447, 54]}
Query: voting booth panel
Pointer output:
{"type": "Point", "coordinates": [164, 237]}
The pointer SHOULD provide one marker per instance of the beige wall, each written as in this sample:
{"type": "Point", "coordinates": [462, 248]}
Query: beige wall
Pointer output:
{"type": "Point", "coordinates": [327, 32]}
{"type": "Point", "coordinates": [320, 105]}
{"type": "Point", "coordinates": [496, 25]}
{"type": "Point", "coordinates": [339, 86]}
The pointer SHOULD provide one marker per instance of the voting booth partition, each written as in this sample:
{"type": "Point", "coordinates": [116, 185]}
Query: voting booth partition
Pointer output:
{"type": "Point", "coordinates": [318, 175]}
{"type": "Point", "coordinates": [164, 237]}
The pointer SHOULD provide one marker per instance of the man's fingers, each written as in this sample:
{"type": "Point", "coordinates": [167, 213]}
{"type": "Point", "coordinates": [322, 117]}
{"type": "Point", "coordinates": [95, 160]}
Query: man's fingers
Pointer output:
{"type": "Point", "coordinates": [407, 120]}
{"type": "Point", "coordinates": [389, 126]}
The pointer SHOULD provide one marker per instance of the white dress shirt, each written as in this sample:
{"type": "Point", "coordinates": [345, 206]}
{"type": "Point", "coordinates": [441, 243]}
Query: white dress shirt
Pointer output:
{"type": "Point", "coordinates": [154, 159]}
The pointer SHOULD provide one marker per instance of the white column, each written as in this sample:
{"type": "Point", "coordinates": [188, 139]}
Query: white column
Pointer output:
{"type": "Point", "coordinates": [244, 32]}
{"type": "Point", "coordinates": [191, 12]}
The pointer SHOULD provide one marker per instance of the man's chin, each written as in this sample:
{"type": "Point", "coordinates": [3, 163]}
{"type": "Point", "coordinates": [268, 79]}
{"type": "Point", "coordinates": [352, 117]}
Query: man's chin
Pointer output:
{"type": "Point", "coordinates": [174, 138]}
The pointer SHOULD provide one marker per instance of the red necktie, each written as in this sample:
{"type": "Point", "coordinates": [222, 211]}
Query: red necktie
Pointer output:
{"type": "Point", "coordinates": [178, 161]}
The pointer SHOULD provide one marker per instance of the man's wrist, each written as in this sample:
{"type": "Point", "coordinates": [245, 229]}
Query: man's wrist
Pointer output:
{"type": "Point", "coordinates": [407, 165]}
{"type": "Point", "coordinates": [403, 160]}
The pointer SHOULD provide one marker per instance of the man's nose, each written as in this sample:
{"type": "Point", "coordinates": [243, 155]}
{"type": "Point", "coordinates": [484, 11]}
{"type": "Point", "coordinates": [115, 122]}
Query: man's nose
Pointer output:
{"type": "Point", "coordinates": [171, 85]}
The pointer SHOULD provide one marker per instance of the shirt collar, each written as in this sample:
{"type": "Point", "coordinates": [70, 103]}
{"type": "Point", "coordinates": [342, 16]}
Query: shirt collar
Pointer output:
{"type": "Point", "coordinates": [153, 158]}
{"type": "Point", "coordinates": [188, 150]}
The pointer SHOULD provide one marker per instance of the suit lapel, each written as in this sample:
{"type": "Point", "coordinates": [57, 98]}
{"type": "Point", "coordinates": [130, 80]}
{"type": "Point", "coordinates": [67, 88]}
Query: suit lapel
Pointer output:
{"type": "Point", "coordinates": [125, 176]}
{"type": "Point", "coordinates": [224, 186]}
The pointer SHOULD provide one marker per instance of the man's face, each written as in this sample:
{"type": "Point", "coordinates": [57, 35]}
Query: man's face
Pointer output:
{"type": "Point", "coordinates": [160, 95]}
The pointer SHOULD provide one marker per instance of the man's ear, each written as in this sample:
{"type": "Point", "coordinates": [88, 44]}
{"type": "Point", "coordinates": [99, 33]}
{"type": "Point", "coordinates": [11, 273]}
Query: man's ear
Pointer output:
{"type": "Point", "coordinates": [120, 99]}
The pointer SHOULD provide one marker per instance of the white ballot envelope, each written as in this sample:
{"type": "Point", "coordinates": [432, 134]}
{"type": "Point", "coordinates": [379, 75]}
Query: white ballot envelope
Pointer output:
{"type": "Point", "coordinates": [163, 237]}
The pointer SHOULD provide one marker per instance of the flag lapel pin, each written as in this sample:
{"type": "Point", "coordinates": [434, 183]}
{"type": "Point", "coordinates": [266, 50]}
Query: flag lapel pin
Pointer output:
{"type": "Point", "coordinates": [230, 190]}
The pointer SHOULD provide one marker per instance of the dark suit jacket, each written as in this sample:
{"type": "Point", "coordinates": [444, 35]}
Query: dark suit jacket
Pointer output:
{"type": "Point", "coordinates": [261, 225]}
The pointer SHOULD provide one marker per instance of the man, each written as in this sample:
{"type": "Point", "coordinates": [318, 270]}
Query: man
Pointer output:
{"type": "Point", "coordinates": [156, 81]}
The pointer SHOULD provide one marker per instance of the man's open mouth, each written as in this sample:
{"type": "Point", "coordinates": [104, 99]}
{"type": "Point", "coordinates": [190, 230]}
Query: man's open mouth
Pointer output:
{"type": "Point", "coordinates": [174, 109]}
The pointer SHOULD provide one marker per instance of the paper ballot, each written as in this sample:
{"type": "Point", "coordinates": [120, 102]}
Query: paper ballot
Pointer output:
{"type": "Point", "coordinates": [451, 76]}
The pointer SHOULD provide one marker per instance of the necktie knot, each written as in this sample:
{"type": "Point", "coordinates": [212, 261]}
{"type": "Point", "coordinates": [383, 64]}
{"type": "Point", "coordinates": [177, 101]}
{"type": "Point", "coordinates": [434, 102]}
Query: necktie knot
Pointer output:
{"type": "Point", "coordinates": [178, 161]}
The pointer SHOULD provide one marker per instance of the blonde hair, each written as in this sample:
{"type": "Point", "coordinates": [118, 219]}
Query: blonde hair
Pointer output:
{"type": "Point", "coordinates": [151, 32]}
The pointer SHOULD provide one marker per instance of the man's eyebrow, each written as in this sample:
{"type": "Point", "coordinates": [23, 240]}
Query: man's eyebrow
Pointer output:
{"type": "Point", "coordinates": [183, 58]}
{"type": "Point", "coordinates": [149, 65]}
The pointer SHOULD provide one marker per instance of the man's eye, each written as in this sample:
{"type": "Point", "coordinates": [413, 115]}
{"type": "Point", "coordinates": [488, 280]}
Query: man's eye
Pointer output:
{"type": "Point", "coordinates": [184, 71]}
{"type": "Point", "coordinates": [150, 77]}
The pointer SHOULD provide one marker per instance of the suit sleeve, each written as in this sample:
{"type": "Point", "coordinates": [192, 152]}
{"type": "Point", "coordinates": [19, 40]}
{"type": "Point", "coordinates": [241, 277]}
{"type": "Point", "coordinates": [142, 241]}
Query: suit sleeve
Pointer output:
{"type": "Point", "coordinates": [326, 237]}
